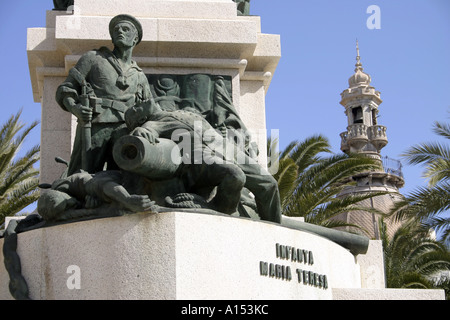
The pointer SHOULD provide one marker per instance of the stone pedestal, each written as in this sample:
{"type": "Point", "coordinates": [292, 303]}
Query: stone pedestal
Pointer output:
{"type": "Point", "coordinates": [192, 256]}
{"type": "Point", "coordinates": [180, 256]}
{"type": "Point", "coordinates": [179, 37]}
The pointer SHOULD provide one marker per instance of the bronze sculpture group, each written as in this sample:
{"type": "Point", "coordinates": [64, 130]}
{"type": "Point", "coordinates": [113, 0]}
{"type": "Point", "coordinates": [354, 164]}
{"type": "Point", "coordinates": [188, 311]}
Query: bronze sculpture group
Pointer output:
{"type": "Point", "coordinates": [123, 112]}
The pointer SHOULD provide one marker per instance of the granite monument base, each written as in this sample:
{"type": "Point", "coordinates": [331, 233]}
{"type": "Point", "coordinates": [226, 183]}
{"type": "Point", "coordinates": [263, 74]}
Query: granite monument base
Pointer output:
{"type": "Point", "coordinates": [180, 256]}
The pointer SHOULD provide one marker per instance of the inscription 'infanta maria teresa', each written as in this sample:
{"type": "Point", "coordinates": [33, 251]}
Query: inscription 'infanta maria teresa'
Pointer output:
{"type": "Point", "coordinates": [284, 272]}
{"type": "Point", "coordinates": [294, 254]}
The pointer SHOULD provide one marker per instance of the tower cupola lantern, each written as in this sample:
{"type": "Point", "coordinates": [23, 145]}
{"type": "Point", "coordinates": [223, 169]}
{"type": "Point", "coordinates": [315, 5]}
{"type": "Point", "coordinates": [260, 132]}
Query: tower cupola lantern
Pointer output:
{"type": "Point", "coordinates": [361, 101]}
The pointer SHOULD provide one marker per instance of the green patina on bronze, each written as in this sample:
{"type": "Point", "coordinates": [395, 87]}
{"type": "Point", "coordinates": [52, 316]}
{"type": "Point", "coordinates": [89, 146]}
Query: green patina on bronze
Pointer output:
{"type": "Point", "coordinates": [243, 7]}
{"type": "Point", "coordinates": [133, 126]}
{"type": "Point", "coordinates": [115, 102]}
{"type": "Point", "coordinates": [17, 283]}
{"type": "Point", "coordinates": [62, 4]}
{"type": "Point", "coordinates": [216, 169]}
{"type": "Point", "coordinates": [18, 286]}
{"type": "Point", "coordinates": [98, 91]}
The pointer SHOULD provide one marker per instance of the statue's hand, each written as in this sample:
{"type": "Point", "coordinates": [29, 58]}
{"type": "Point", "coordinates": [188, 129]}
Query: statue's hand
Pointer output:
{"type": "Point", "coordinates": [83, 113]}
{"type": "Point", "coordinates": [150, 135]}
{"type": "Point", "coordinates": [137, 203]}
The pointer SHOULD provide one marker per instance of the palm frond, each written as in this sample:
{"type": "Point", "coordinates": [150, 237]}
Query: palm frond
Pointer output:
{"type": "Point", "coordinates": [412, 257]}
{"type": "Point", "coordinates": [338, 169]}
{"type": "Point", "coordinates": [438, 171]}
{"type": "Point", "coordinates": [442, 129]}
{"type": "Point", "coordinates": [412, 280]}
{"type": "Point", "coordinates": [286, 177]}
{"type": "Point", "coordinates": [306, 153]}
{"type": "Point", "coordinates": [10, 208]}
{"type": "Point", "coordinates": [11, 140]}
{"type": "Point", "coordinates": [426, 152]}
{"type": "Point", "coordinates": [287, 151]}
{"type": "Point", "coordinates": [434, 155]}
{"type": "Point", "coordinates": [423, 203]}
{"type": "Point", "coordinates": [18, 177]}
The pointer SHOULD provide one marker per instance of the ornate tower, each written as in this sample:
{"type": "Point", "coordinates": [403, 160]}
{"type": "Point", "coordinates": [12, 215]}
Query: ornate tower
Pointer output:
{"type": "Point", "coordinates": [364, 135]}
{"type": "Point", "coordinates": [361, 101]}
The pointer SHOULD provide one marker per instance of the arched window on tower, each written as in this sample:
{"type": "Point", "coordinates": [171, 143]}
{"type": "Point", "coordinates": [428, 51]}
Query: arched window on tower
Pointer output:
{"type": "Point", "coordinates": [357, 115]}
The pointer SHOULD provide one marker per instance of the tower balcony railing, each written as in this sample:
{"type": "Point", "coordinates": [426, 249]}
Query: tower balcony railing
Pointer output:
{"type": "Point", "coordinates": [357, 135]}
{"type": "Point", "coordinates": [377, 132]}
{"type": "Point", "coordinates": [344, 141]}
{"type": "Point", "coordinates": [392, 166]}
{"type": "Point", "coordinates": [378, 137]}
{"type": "Point", "coordinates": [357, 130]}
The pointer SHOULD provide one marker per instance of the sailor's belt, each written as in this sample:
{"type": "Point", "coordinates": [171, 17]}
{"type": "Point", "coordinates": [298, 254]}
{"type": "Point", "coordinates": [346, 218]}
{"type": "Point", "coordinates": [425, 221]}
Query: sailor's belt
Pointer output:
{"type": "Point", "coordinates": [98, 105]}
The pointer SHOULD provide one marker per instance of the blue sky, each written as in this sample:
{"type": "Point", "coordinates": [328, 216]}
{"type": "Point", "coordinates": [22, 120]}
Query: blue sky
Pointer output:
{"type": "Point", "coordinates": [408, 59]}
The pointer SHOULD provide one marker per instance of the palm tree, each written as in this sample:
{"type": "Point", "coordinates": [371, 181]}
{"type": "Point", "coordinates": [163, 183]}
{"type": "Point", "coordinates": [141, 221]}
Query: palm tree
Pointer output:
{"type": "Point", "coordinates": [428, 204]}
{"type": "Point", "coordinates": [18, 179]}
{"type": "Point", "coordinates": [310, 182]}
{"type": "Point", "coordinates": [413, 257]}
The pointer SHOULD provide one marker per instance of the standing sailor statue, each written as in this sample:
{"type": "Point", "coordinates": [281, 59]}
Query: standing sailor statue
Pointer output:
{"type": "Point", "coordinates": [98, 91]}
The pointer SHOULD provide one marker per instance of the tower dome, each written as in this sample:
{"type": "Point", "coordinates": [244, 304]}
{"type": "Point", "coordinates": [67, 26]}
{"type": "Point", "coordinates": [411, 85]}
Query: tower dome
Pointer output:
{"type": "Point", "coordinates": [360, 77]}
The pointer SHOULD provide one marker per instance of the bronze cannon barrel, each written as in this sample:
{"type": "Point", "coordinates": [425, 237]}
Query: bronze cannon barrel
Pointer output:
{"type": "Point", "coordinates": [154, 161]}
